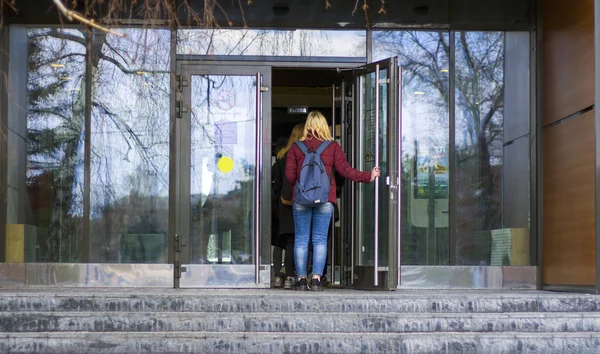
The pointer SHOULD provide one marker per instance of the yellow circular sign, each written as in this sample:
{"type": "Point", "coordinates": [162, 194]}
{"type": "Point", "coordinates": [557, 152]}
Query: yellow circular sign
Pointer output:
{"type": "Point", "coordinates": [225, 164]}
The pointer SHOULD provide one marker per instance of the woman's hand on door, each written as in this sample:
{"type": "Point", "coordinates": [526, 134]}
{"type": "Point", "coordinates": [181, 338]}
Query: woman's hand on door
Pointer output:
{"type": "Point", "coordinates": [375, 173]}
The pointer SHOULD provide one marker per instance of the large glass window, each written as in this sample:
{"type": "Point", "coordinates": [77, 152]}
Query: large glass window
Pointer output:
{"type": "Point", "coordinates": [128, 144]}
{"type": "Point", "coordinates": [129, 179]}
{"type": "Point", "coordinates": [490, 194]}
{"type": "Point", "coordinates": [478, 143]}
{"type": "Point", "coordinates": [46, 136]}
{"type": "Point", "coordinates": [492, 78]}
{"type": "Point", "coordinates": [332, 43]}
{"type": "Point", "coordinates": [423, 57]}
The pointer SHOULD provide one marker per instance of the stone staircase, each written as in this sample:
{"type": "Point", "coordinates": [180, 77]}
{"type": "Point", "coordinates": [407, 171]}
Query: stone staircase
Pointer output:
{"type": "Point", "coordinates": [73, 320]}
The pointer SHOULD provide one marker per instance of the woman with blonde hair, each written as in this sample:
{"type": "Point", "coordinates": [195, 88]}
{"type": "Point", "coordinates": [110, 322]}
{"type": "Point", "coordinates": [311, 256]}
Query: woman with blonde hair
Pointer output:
{"type": "Point", "coordinates": [316, 132]}
{"type": "Point", "coordinates": [283, 194]}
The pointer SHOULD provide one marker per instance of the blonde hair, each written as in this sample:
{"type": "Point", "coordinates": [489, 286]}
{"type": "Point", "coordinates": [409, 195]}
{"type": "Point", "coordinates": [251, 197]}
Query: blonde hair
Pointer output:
{"type": "Point", "coordinates": [296, 134]}
{"type": "Point", "coordinates": [316, 126]}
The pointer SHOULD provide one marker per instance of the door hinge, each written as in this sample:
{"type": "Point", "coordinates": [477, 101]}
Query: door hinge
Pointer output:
{"type": "Point", "coordinates": [264, 89]}
{"type": "Point", "coordinates": [178, 243]}
{"type": "Point", "coordinates": [179, 269]}
{"type": "Point", "coordinates": [180, 109]}
{"type": "Point", "coordinates": [178, 247]}
{"type": "Point", "coordinates": [181, 82]}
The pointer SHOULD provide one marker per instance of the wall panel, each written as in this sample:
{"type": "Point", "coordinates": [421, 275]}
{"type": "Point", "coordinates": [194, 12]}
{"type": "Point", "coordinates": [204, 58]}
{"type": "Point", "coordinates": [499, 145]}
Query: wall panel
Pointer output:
{"type": "Point", "coordinates": [569, 202]}
{"type": "Point", "coordinates": [568, 58]}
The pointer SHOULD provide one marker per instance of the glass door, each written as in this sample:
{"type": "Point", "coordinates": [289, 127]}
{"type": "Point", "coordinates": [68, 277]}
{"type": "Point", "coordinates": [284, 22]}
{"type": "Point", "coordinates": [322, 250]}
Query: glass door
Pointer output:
{"type": "Point", "coordinates": [223, 165]}
{"type": "Point", "coordinates": [376, 132]}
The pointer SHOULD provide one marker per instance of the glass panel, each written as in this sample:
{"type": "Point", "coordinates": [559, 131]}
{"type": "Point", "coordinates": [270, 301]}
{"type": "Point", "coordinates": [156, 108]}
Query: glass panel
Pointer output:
{"type": "Point", "coordinates": [130, 147]}
{"type": "Point", "coordinates": [334, 43]}
{"type": "Point", "coordinates": [366, 162]}
{"type": "Point", "coordinates": [222, 169]}
{"type": "Point", "coordinates": [423, 57]}
{"type": "Point", "coordinates": [479, 145]}
{"type": "Point", "coordinates": [516, 171]}
{"type": "Point", "coordinates": [45, 142]}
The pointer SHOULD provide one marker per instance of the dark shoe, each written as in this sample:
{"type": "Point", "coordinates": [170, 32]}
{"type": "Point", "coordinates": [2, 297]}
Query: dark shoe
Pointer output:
{"type": "Point", "coordinates": [278, 283]}
{"type": "Point", "coordinates": [301, 285]}
{"type": "Point", "coordinates": [316, 285]}
{"type": "Point", "coordinates": [324, 281]}
{"type": "Point", "coordinates": [289, 283]}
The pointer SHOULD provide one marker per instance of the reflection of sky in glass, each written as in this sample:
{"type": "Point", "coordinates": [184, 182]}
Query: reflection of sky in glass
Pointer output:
{"type": "Point", "coordinates": [223, 125]}
{"type": "Point", "coordinates": [424, 73]}
{"type": "Point", "coordinates": [338, 43]}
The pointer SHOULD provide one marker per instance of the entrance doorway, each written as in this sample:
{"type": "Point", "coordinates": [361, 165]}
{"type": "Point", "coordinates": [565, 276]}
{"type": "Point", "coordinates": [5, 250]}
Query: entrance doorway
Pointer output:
{"type": "Point", "coordinates": [229, 115]}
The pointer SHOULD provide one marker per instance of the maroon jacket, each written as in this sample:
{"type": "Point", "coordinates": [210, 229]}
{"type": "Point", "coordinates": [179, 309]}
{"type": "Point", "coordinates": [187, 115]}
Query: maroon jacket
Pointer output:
{"type": "Point", "coordinates": [333, 158]}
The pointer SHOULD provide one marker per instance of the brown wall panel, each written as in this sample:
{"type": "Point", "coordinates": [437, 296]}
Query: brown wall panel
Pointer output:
{"type": "Point", "coordinates": [569, 196]}
{"type": "Point", "coordinates": [568, 57]}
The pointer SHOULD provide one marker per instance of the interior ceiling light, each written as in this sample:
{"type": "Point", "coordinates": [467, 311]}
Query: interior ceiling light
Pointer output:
{"type": "Point", "coordinates": [56, 65]}
{"type": "Point", "coordinates": [419, 93]}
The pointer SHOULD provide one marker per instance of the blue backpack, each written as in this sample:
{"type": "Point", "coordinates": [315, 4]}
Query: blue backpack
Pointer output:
{"type": "Point", "coordinates": [312, 188]}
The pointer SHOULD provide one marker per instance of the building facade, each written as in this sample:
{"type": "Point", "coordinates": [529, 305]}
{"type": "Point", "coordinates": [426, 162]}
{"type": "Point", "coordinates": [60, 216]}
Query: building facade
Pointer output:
{"type": "Point", "coordinates": [142, 156]}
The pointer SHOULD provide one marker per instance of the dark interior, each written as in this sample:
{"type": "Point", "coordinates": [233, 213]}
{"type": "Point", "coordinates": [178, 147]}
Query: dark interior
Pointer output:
{"type": "Point", "coordinates": [300, 87]}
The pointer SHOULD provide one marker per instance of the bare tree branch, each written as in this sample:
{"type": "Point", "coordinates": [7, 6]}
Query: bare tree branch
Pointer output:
{"type": "Point", "coordinates": [70, 15]}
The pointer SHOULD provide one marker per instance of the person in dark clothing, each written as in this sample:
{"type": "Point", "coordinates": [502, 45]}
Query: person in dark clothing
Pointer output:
{"type": "Point", "coordinates": [339, 184]}
{"type": "Point", "coordinates": [284, 200]}
{"type": "Point", "coordinates": [277, 241]}
{"type": "Point", "coordinates": [316, 131]}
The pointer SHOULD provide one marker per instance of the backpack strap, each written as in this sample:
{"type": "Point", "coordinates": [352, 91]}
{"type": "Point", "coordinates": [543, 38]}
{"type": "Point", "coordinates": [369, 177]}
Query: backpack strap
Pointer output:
{"type": "Point", "coordinates": [319, 150]}
{"type": "Point", "coordinates": [322, 147]}
{"type": "Point", "coordinates": [302, 147]}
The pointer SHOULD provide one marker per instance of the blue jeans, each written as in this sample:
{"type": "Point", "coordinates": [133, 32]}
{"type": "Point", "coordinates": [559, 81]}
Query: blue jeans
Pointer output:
{"type": "Point", "coordinates": [319, 217]}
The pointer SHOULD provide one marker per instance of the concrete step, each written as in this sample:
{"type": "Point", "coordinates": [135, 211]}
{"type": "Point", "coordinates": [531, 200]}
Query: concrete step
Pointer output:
{"type": "Point", "coordinates": [332, 300]}
{"type": "Point", "coordinates": [347, 343]}
{"type": "Point", "coordinates": [294, 322]}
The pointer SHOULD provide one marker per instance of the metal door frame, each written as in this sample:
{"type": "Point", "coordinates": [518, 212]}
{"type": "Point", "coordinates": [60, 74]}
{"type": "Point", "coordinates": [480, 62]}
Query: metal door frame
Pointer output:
{"type": "Point", "coordinates": [376, 276]}
{"type": "Point", "coordinates": [258, 274]}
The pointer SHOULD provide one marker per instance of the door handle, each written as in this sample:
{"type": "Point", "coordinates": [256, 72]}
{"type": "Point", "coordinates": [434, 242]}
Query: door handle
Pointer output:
{"type": "Point", "coordinates": [377, 158]}
{"type": "Point", "coordinates": [257, 157]}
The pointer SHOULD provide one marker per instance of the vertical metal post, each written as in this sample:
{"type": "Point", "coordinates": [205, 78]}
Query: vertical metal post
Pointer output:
{"type": "Point", "coordinates": [597, 137]}
{"type": "Point", "coordinates": [452, 150]}
{"type": "Point", "coordinates": [343, 206]}
{"type": "Point", "coordinates": [376, 162]}
{"type": "Point", "coordinates": [399, 190]}
{"type": "Point", "coordinates": [354, 159]}
{"type": "Point", "coordinates": [174, 165]}
{"type": "Point", "coordinates": [332, 256]}
{"type": "Point", "coordinates": [257, 157]}
{"type": "Point", "coordinates": [87, 148]}
{"type": "Point", "coordinates": [536, 197]}
{"type": "Point", "coordinates": [4, 67]}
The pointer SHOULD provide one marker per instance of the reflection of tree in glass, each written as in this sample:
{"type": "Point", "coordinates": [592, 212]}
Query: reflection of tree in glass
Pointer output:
{"type": "Point", "coordinates": [129, 133]}
{"type": "Point", "coordinates": [253, 42]}
{"type": "Point", "coordinates": [479, 110]}
{"type": "Point", "coordinates": [479, 117]}
{"type": "Point", "coordinates": [56, 106]}
{"type": "Point", "coordinates": [129, 139]}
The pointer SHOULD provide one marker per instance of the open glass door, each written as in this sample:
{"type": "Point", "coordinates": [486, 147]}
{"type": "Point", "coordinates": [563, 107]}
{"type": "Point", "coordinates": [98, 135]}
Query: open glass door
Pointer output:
{"type": "Point", "coordinates": [376, 131]}
{"type": "Point", "coordinates": [223, 212]}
